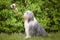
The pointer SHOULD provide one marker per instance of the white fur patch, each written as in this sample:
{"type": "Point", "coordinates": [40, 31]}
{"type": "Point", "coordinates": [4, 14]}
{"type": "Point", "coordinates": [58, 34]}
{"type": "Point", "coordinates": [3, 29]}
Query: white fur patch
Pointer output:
{"type": "Point", "coordinates": [26, 24]}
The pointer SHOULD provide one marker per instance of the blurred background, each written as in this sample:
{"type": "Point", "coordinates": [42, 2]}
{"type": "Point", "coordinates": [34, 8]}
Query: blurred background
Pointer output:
{"type": "Point", "coordinates": [47, 13]}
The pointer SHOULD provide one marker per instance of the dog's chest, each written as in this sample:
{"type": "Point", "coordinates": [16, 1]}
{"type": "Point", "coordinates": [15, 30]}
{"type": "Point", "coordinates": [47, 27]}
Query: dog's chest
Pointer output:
{"type": "Point", "coordinates": [26, 24]}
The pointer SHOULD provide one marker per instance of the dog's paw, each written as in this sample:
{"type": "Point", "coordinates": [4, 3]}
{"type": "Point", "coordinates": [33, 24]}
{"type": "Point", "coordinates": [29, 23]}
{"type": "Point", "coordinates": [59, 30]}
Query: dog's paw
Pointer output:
{"type": "Point", "coordinates": [28, 37]}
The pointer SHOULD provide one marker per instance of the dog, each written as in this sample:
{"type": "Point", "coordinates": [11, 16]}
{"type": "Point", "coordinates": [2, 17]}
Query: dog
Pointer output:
{"type": "Point", "coordinates": [32, 27]}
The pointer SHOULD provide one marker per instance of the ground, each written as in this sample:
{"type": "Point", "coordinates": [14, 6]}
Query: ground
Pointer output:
{"type": "Point", "coordinates": [19, 36]}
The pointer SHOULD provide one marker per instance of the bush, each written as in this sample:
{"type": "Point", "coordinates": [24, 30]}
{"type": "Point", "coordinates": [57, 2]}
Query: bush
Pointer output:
{"type": "Point", "coordinates": [47, 13]}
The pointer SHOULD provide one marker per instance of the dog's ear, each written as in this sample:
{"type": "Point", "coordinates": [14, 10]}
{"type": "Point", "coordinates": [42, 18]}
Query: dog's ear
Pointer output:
{"type": "Point", "coordinates": [30, 16]}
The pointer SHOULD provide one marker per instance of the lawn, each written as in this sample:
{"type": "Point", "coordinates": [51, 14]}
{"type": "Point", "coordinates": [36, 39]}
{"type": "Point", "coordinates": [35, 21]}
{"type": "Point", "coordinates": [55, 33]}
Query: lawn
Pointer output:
{"type": "Point", "coordinates": [18, 36]}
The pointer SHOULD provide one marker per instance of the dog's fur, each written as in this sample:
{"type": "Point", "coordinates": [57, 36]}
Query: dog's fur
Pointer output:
{"type": "Point", "coordinates": [32, 27]}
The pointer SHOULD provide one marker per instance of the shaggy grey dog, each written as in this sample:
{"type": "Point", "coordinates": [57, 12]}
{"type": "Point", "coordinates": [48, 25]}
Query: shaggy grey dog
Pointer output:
{"type": "Point", "coordinates": [32, 27]}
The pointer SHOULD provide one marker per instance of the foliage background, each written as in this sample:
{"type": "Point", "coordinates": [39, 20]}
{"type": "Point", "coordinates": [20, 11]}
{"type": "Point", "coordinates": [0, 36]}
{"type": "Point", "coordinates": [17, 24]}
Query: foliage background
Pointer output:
{"type": "Point", "coordinates": [47, 13]}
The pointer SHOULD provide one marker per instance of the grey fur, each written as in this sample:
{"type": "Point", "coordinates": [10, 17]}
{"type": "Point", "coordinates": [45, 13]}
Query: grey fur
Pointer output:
{"type": "Point", "coordinates": [37, 30]}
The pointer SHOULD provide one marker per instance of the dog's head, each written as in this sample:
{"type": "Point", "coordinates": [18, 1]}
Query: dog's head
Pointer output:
{"type": "Point", "coordinates": [28, 15]}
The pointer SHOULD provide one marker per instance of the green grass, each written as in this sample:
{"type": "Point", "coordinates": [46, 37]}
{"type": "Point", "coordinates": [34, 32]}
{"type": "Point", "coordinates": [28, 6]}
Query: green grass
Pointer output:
{"type": "Point", "coordinates": [16, 36]}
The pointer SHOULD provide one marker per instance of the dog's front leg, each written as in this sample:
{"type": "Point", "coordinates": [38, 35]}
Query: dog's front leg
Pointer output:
{"type": "Point", "coordinates": [27, 33]}
{"type": "Point", "coordinates": [26, 24]}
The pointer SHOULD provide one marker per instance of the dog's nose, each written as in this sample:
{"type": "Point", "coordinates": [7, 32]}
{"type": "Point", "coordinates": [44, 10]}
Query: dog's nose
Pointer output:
{"type": "Point", "coordinates": [25, 18]}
